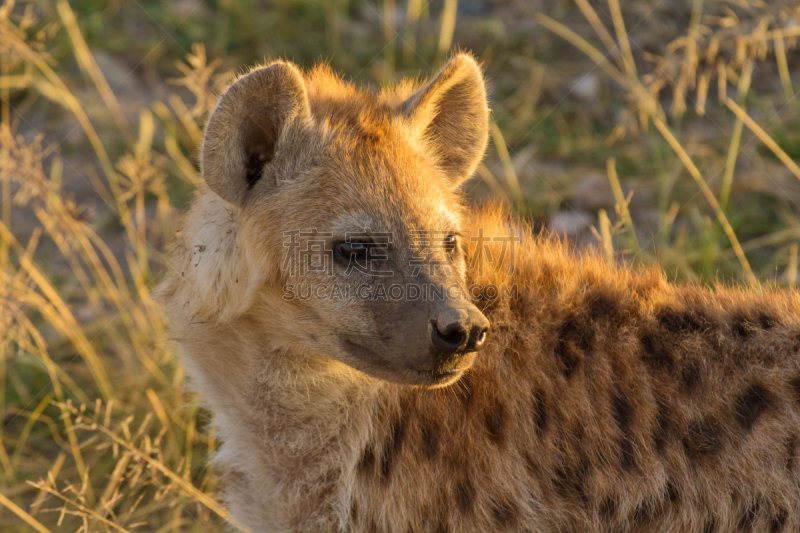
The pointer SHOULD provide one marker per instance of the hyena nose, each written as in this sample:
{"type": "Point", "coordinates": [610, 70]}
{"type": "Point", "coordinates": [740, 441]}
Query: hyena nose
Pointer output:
{"type": "Point", "coordinates": [477, 337]}
{"type": "Point", "coordinates": [459, 330]}
{"type": "Point", "coordinates": [451, 338]}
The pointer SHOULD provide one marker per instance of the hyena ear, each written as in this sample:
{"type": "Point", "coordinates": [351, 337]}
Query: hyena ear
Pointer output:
{"type": "Point", "coordinates": [451, 117]}
{"type": "Point", "coordinates": [253, 120]}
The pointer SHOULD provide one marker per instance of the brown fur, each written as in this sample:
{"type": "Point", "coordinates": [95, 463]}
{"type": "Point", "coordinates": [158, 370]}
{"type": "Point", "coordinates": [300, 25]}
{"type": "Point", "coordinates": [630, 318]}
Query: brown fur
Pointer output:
{"type": "Point", "coordinates": [606, 399]}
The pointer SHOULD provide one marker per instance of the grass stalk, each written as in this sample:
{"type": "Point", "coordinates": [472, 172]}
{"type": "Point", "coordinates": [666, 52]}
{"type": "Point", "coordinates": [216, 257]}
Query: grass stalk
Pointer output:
{"type": "Point", "coordinates": [764, 137]}
{"type": "Point", "coordinates": [622, 205]}
{"type": "Point", "coordinates": [591, 15]}
{"type": "Point", "coordinates": [390, 37]}
{"type": "Point", "coordinates": [446, 30]}
{"type": "Point", "coordinates": [508, 167]}
{"type": "Point", "coordinates": [488, 178]}
{"type": "Point", "coordinates": [88, 64]}
{"type": "Point", "coordinates": [605, 235]}
{"type": "Point", "coordinates": [21, 513]}
{"type": "Point", "coordinates": [736, 136]}
{"type": "Point", "coordinates": [698, 177]}
{"type": "Point", "coordinates": [791, 269]}
{"type": "Point", "coordinates": [783, 66]}
{"type": "Point", "coordinates": [413, 12]}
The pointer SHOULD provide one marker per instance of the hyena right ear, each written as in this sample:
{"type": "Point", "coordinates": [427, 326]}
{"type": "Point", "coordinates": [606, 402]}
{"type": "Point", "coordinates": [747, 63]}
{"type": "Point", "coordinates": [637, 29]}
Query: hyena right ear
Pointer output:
{"type": "Point", "coordinates": [249, 126]}
{"type": "Point", "coordinates": [450, 115]}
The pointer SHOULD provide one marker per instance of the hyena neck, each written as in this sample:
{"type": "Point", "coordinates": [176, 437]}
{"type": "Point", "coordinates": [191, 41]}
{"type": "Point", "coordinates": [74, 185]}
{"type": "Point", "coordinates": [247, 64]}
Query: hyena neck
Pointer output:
{"type": "Point", "coordinates": [307, 421]}
{"type": "Point", "coordinates": [302, 391]}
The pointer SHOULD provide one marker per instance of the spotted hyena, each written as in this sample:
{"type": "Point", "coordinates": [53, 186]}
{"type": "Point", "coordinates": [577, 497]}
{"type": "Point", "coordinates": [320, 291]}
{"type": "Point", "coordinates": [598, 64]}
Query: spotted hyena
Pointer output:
{"type": "Point", "coordinates": [529, 388]}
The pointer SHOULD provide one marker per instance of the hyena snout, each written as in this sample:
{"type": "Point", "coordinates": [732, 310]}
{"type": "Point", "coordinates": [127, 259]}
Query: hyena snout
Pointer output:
{"type": "Point", "coordinates": [458, 328]}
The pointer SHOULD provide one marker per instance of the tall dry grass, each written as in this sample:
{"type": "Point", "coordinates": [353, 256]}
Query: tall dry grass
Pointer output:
{"type": "Point", "coordinates": [714, 48]}
{"type": "Point", "coordinates": [99, 431]}
{"type": "Point", "coordinates": [109, 439]}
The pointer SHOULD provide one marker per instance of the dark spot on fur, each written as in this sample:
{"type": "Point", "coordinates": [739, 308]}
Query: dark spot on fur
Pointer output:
{"type": "Point", "coordinates": [392, 447]}
{"type": "Point", "coordinates": [622, 411]}
{"type": "Point", "coordinates": [649, 510]}
{"type": "Point", "coordinates": [663, 426]}
{"type": "Point", "coordinates": [703, 438]}
{"type": "Point", "coordinates": [794, 385]}
{"type": "Point", "coordinates": [681, 322]}
{"type": "Point", "coordinates": [767, 320]}
{"type": "Point", "coordinates": [778, 522]}
{"type": "Point", "coordinates": [671, 320]}
{"type": "Point", "coordinates": [354, 511]}
{"type": "Point", "coordinates": [608, 508]}
{"type": "Point", "coordinates": [495, 420]}
{"type": "Point", "coordinates": [603, 306]}
{"type": "Point", "coordinates": [584, 336]}
{"type": "Point", "coordinates": [442, 526]}
{"type": "Point", "coordinates": [570, 481]}
{"type": "Point", "coordinates": [465, 495]}
{"type": "Point", "coordinates": [623, 416]}
{"type": "Point", "coordinates": [690, 377]}
{"type": "Point", "coordinates": [711, 526]}
{"type": "Point", "coordinates": [671, 492]}
{"type": "Point", "coordinates": [645, 512]}
{"type": "Point", "coordinates": [791, 446]}
{"type": "Point", "coordinates": [656, 353]}
{"type": "Point", "coordinates": [753, 403]}
{"type": "Point", "coordinates": [574, 332]}
{"type": "Point", "coordinates": [386, 465]}
{"type": "Point", "coordinates": [430, 440]}
{"type": "Point", "coordinates": [562, 481]}
{"type": "Point", "coordinates": [741, 326]}
{"type": "Point", "coordinates": [750, 515]}
{"type": "Point", "coordinates": [540, 415]}
{"type": "Point", "coordinates": [367, 461]}
{"type": "Point", "coordinates": [568, 358]}
{"type": "Point", "coordinates": [531, 465]}
{"type": "Point", "coordinates": [505, 513]}
{"type": "Point", "coordinates": [698, 321]}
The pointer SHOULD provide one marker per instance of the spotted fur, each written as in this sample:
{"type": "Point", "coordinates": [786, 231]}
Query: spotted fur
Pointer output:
{"type": "Point", "coordinates": [606, 399]}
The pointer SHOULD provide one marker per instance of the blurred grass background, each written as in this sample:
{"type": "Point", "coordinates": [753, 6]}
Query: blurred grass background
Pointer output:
{"type": "Point", "coordinates": [657, 132]}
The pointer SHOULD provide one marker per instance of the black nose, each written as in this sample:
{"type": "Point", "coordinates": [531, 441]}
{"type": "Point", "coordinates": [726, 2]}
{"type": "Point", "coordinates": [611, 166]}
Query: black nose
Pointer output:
{"type": "Point", "coordinates": [455, 338]}
{"type": "Point", "coordinates": [477, 336]}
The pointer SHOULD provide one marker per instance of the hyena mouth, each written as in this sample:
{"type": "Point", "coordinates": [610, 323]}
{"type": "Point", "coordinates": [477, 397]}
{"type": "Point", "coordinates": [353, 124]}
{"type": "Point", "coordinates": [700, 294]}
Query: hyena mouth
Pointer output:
{"type": "Point", "coordinates": [446, 374]}
{"type": "Point", "coordinates": [443, 378]}
{"type": "Point", "coordinates": [439, 375]}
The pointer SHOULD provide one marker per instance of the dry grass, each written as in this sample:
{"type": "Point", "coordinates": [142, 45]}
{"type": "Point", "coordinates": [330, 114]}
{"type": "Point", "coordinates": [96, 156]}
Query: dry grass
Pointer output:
{"type": "Point", "coordinates": [689, 75]}
{"type": "Point", "coordinates": [100, 432]}
{"type": "Point", "coordinates": [112, 442]}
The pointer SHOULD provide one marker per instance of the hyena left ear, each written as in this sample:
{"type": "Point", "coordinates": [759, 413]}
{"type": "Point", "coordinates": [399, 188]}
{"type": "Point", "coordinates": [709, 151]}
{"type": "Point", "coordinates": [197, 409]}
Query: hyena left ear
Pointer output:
{"type": "Point", "coordinates": [451, 117]}
{"type": "Point", "coordinates": [256, 119]}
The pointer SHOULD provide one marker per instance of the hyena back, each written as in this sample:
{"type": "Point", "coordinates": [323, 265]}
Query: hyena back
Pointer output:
{"type": "Point", "coordinates": [602, 399]}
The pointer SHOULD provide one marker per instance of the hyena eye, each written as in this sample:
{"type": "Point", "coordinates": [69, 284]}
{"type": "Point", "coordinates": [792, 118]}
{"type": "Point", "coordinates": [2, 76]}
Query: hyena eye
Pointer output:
{"type": "Point", "coordinates": [450, 243]}
{"type": "Point", "coordinates": [347, 252]}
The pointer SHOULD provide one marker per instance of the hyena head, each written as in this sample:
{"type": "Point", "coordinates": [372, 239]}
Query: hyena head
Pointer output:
{"type": "Point", "coordinates": [349, 210]}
